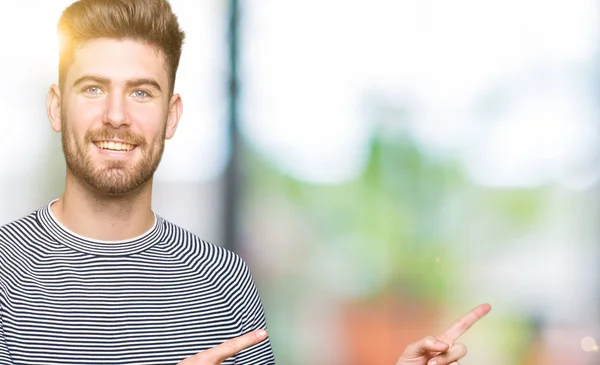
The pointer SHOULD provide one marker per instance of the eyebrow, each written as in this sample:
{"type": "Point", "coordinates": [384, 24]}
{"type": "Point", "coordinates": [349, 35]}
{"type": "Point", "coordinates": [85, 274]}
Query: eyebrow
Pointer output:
{"type": "Point", "coordinates": [97, 79]}
{"type": "Point", "coordinates": [143, 81]}
{"type": "Point", "coordinates": [130, 83]}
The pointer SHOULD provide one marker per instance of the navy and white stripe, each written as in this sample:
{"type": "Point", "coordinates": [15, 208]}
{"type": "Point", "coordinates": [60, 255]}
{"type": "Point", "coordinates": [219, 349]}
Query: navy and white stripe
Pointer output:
{"type": "Point", "coordinates": [155, 299]}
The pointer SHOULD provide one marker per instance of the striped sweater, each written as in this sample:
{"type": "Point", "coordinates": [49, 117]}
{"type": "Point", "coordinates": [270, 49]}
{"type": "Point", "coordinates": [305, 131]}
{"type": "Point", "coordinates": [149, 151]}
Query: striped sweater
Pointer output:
{"type": "Point", "coordinates": [155, 299]}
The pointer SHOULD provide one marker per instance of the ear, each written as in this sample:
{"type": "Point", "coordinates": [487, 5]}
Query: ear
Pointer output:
{"type": "Point", "coordinates": [175, 110]}
{"type": "Point", "coordinates": [53, 107]}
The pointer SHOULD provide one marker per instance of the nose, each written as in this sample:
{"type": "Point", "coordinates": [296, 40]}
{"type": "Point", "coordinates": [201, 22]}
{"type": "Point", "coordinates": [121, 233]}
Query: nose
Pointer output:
{"type": "Point", "coordinates": [116, 113]}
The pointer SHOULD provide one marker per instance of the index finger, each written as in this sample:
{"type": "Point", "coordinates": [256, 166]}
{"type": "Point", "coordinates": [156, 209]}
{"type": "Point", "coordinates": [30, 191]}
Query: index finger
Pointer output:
{"type": "Point", "coordinates": [464, 323]}
{"type": "Point", "coordinates": [231, 347]}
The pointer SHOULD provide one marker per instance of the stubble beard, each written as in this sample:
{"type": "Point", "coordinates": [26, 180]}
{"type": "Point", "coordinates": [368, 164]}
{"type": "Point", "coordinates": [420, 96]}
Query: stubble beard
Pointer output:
{"type": "Point", "coordinates": [112, 178]}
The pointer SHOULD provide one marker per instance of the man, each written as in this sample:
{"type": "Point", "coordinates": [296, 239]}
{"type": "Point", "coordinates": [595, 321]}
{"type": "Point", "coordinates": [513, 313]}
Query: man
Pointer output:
{"type": "Point", "coordinates": [96, 277]}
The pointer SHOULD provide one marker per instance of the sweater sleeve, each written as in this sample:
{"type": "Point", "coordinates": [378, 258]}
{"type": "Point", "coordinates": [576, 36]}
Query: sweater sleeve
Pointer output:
{"type": "Point", "coordinates": [251, 317]}
{"type": "Point", "coordinates": [5, 358]}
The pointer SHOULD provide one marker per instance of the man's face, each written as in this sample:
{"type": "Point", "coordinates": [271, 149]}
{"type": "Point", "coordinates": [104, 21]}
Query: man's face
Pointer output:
{"type": "Point", "coordinates": [115, 114]}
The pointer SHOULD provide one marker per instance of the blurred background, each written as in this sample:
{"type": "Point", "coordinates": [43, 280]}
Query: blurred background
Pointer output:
{"type": "Point", "coordinates": [383, 166]}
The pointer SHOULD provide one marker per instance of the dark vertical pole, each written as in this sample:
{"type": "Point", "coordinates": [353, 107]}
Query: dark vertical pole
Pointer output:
{"type": "Point", "coordinates": [233, 174]}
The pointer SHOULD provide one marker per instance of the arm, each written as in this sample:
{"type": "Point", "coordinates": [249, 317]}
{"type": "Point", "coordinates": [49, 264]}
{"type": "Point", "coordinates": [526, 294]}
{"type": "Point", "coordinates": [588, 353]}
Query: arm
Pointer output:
{"type": "Point", "coordinates": [253, 346]}
{"type": "Point", "coordinates": [5, 358]}
{"type": "Point", "coordinates": [250, 308]}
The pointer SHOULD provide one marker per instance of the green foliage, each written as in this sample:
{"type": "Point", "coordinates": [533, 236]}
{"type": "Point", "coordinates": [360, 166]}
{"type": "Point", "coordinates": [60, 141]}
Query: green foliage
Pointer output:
{"type": "Point", "coordinates": [397, 222]}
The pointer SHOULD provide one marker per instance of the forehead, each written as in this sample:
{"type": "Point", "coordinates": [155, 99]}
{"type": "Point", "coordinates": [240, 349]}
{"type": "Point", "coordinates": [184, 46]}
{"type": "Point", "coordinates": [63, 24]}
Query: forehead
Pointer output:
{"type": "Point", "coordinates": [118, 60]}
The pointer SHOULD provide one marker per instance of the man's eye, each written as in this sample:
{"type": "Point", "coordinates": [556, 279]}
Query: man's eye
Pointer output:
{"type": "Point", "coordinates": [140, 94]}
{"type": "Point", "coordinates": [92, 90]}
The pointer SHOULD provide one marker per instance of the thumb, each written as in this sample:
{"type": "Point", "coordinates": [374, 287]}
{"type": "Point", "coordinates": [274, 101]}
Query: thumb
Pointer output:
{"type": "Point", "coordinates": [423, 347]}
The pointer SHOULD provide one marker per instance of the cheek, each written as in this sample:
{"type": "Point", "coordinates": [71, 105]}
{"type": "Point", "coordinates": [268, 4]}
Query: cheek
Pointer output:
{"type": "Point", "coordinates": [150, 123]}
{"type": "Point", "coordinates": [81, 117]}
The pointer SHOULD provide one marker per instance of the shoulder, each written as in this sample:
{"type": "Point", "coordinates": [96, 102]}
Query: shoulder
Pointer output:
{"type": "Point", "coordinates": [18, 241]}
{"type": "Point", "coordinates": [200, 252]}
{"type": "Point", "coordinates": [19, 230]}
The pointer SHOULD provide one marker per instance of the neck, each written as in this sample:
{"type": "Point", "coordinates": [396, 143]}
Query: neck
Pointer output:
{"type": "Point", "coordinates": [100, 217]}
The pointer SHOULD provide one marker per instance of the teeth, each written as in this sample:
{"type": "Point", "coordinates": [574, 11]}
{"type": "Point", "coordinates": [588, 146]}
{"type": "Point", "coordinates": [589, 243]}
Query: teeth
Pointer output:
{"type": "Point", "coordinates": [115, 146]}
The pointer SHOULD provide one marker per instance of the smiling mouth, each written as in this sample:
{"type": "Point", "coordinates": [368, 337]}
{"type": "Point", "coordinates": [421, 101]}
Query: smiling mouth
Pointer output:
{"type": "Point", "coordinates": [115, 146]}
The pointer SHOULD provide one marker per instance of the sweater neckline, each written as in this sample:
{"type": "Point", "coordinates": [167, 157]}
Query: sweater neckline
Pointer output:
{"type": "Point", "coordinates": [83, 244]}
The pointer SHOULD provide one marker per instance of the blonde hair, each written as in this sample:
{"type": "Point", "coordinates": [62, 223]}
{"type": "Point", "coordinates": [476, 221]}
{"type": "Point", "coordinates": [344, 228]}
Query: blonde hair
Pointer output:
{"type": "Point", "coordinates": [148, 21]}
